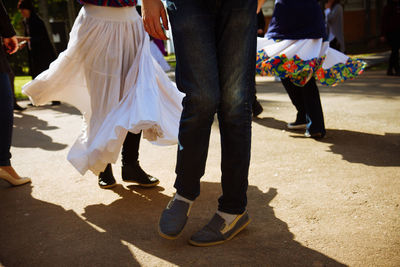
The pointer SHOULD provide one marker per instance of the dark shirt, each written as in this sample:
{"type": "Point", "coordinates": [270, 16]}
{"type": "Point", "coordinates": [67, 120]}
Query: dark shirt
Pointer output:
{"type": "Point", "coordinates": [6, 31]}
{"type": "Point", "coordinates": [41, 52]}
{"type": "Point", "coordinates": [297, 19]}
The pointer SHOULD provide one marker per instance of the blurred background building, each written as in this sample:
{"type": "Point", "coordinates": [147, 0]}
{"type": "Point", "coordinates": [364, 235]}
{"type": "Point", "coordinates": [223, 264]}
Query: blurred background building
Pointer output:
{"type": "Point", "coordinates": [362, 22]}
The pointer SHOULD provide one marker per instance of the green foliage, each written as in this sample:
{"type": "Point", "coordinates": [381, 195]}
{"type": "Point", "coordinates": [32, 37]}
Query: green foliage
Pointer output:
{"type": "Point", "coordinates": [19, 82]}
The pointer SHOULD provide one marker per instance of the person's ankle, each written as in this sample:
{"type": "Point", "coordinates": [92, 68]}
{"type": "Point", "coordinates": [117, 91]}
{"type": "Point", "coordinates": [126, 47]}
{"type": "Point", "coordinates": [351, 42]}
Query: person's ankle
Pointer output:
{"type": "Point", "coordinates": [181, 198]}
{"type": "Point", "coordinates": [229, 218]}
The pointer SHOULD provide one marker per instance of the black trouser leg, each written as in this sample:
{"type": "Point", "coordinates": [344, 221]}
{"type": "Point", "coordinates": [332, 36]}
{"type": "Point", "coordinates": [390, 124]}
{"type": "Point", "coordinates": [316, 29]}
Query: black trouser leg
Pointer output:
{"type": "Point", "coordinates": [130, 152]}
{"type": "Point", "coordinates": [6, 119]}
{"type": "Point", "coordinates": [131, 170]}
{"type": "Point", "coordinates": [11, 77]}
{"type": "Point", "coordinates": [312, 103]}
{"type": "Point", "coordinates": [394, 42]}
{"type": "Point", "coordinates": [130, 148]}
{"type": "Point", "coordinates": [296, 97]}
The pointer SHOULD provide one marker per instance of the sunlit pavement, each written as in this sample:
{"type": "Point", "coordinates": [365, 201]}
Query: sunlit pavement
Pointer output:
{"type": "Point", "coordinates": [331, 202]}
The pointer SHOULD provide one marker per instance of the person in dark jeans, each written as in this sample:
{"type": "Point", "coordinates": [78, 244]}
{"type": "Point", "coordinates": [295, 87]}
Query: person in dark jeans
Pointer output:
{"type": "Point", "coordinates": [215, 45]}
{"type": "Point", "coordinates": [11, 77]}
{"type": "Point", "coordinates": [8, 39]}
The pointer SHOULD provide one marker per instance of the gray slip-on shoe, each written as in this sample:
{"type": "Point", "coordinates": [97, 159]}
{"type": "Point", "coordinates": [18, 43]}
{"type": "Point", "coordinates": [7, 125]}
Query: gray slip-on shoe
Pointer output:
{"type": "Point", "coordinates": [217, 231]}
{"type": "Point", "coordinates": [173, 219]}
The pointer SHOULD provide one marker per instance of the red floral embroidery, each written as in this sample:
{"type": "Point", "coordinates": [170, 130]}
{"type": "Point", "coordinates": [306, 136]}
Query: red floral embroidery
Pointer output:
{"type": "Point", "coordinates": [320, 73]}
{"type": "Point", "coordinates": [290, 66]}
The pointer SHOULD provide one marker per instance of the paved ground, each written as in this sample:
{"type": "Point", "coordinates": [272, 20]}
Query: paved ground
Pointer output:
{"type": "Point", "coordinates": [333, 202]}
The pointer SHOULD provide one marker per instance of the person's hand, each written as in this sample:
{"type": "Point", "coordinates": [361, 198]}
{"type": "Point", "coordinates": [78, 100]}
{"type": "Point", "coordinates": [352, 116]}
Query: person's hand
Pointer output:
{"type": "Point", "coordinates": [23, 38]}
{"type": "Point", "coordinates": [260, 31]}
{"type": "Point", "coordinates": [152, 11]}
{"type": "Point", "coordinates": [22, 44]}
{"type": "Point", "coordinates": [260, 4]}
{"type": "Point", "coordinates": [383, 39]}
{"type": "Point", "coordinates": [11, 44]}
{"type": "Point", "coordinates": [22, 41]}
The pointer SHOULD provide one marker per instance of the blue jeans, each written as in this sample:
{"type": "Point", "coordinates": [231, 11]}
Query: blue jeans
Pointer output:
{"type": "Point", "coordinates": [215, 46]}
{"type": "Point", "coordinates": [6, 119]}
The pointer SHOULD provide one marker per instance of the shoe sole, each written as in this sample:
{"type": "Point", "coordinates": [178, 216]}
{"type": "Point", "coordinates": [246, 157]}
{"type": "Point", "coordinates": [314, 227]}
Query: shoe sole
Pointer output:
{"type": "Point", "coordinates": [194, 243]}
{"type": "Point", "coordinates": [17, 184]}
{"type": "Point", "coordinates": [165, 235]}
{"type": "Point", "coordinates": [107, 186]}
{"type": "Point", "coordinates": [168, 236]}
{"type": "Point", "coordinates": [317, 136]}
{"type": "Point", "coordinates": [297, 127]}
{"type": "Point", "coordinates": [143, 185]}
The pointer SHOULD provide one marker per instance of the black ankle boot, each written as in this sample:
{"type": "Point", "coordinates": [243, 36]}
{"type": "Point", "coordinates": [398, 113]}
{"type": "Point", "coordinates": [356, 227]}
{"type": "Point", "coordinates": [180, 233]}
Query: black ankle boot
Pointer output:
{"type": "Point", "coordinates": [106, 178]}
{"type": "Point", "coordinates": [132, 172]}
{"type": "Point", "coordinates": [257, 108]}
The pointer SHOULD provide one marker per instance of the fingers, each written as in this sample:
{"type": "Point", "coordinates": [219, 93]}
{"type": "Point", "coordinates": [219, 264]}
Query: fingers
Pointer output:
{"type": "Point", "coordinates": [153, 10]}
{"type": "Point", "coordinates": [22, 38]}
{"type": "Point", "coordinates": [14, 42]}
{"type": "Point", "coordinates": [259, 5]}
{"type": "Point", "coordinates": [160, 32]}
{"type": "Point", "coordinates": [11, 44]}
{"type": "Point", "coordinates": [153, 27]}
{"type": "Point", "coordinates": [164, 19]}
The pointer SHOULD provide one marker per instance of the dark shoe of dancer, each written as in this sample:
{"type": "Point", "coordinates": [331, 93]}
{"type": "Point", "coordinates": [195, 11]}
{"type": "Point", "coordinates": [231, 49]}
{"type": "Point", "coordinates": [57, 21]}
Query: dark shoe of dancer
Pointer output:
{"type": "Point", "coordinates": [257, 108]}
{"type": "Point", "coordinates": [317, 135]}
{"type": "Point", "coordinates": [133, 173]}
{"type": "Point", "coordinates": [296, 125]}
{"type": "Point", "coordinates": [106, 178]}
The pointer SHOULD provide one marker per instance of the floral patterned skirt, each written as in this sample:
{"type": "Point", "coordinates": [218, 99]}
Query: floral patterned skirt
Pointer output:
{"type": "Point", "coordinates": [300, 60]}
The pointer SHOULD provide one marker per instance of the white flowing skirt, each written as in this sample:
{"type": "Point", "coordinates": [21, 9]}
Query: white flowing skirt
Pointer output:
{"type": "Point", "coordinates": [159, 57]}
{"type": "Point", "coordinates": [300, 60]}
{"type": "Point", "coordinates": [108, 73]}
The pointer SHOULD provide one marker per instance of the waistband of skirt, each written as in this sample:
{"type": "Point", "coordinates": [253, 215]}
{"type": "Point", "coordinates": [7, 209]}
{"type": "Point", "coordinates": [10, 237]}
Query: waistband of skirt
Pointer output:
{"type": "Point", "coordinates": [111, 13]}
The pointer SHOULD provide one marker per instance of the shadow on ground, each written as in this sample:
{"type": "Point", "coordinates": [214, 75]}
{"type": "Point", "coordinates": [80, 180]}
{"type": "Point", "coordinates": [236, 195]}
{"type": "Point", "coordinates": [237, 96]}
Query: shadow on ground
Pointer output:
{"type": "Point", "coordinates": [355, 147]}
{"type": "Point", "coordinates": [62, 108]}
{"type": "Point", "coordinates": [44, 234]}
{"type": "Point", "coordinates": [29, 131]}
